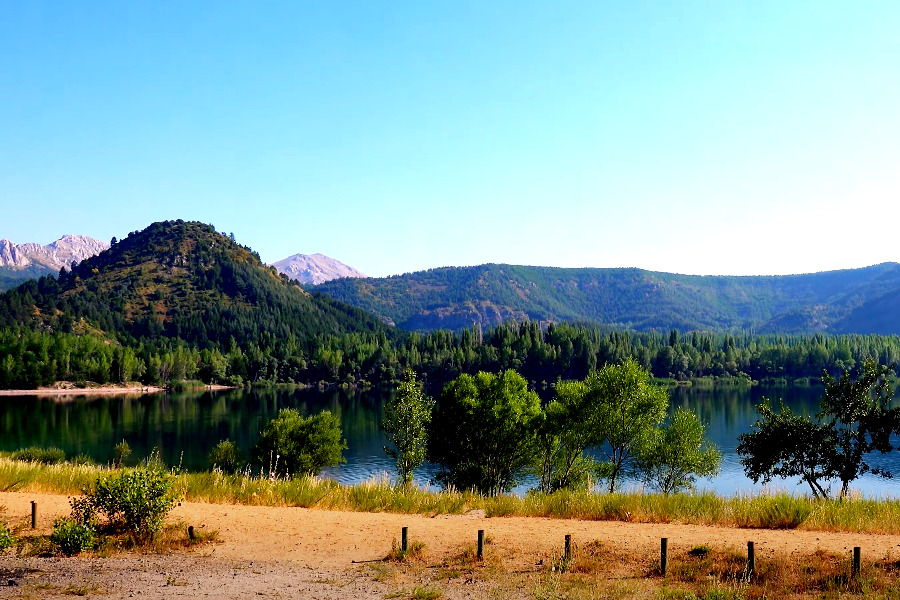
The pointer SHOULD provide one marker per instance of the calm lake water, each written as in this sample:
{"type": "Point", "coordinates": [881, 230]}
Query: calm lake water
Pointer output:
{"type": "Point", "coordinates": [184, 427]}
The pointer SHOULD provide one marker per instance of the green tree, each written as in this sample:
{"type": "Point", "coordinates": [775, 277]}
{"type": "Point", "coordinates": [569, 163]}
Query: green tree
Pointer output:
{"type": "Point", "coordinates": [627, 407]}
{"type": "Point", "coordinates": [784, 444]}
{"type": "Point", "coordinates": [293, 445]}
{"type": "Point", "coordinates": [226, 456]}
{"type": "Point", "coordinates": [854, 420]}
{"type": "Point", "coordinates": [678, 453]}
{"type": "Point", "coordinates": [564, 432]}
{"type": "Point", "coordinates": [405, 424]}
{"type": "Point", "coordinates": [483, 431]}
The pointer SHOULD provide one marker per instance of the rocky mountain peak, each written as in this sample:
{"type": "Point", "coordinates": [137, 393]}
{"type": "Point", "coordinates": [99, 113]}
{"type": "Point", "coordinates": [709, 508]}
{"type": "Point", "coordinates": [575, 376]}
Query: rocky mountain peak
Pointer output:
{"type": "Point", "coordinates": [52, 257]}
{"type": "Point", "coordinates": [313, 269]}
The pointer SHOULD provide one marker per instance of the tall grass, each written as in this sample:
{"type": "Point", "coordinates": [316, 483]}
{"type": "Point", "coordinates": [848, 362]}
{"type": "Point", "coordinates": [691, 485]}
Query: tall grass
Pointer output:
{"type": "Point", "coordinates": [774, 511]}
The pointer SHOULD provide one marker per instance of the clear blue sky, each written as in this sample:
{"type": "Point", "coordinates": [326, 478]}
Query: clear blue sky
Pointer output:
{"type": "Point", "coordinates": [711, 137]}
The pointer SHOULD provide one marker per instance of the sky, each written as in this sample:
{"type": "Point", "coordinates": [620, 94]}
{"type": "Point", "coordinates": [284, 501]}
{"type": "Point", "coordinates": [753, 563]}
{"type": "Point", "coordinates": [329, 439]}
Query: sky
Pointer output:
{"type": "Point", "coordinates": [741, 138]}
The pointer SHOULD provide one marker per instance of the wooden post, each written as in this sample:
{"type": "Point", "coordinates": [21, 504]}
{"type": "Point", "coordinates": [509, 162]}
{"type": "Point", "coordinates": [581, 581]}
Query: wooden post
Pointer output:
{"type": "Point", "coordinates": [663, 555]}
{"type": "Point", "coordinates": [568, 554]}
{"type": "Point", "coordinates": [404, 539]}
{"type": "Point", "coordinates": [480, 554]}
{"type": "Point", "coordinates": [751, 560]}
{"type": "Point", "coordinates": [33, 514]}
{"type": "Point", "coordinates": [856, 553]}
{"type": "Point", "coordinates": [191, 532]}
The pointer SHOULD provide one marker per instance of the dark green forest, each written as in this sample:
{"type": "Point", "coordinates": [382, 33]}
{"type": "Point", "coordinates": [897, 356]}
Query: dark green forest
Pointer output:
{"type": "Point", "coordinates": [180, 301]}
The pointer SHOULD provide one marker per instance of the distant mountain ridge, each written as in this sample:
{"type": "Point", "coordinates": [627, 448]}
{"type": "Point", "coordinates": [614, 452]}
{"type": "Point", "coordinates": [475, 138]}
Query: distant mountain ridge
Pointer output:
{"type": "Point", "coordinates": [313, 269]}
{"type": "Point", "coordinates": [865, 300]}
{"type": "Point", "coordinates": [19, 262]}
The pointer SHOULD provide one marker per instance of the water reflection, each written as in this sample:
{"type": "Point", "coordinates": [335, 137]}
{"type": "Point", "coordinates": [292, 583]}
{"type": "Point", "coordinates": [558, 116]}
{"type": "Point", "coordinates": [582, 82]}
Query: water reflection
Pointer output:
{"type": "Point", "coordinates": [184, 427]}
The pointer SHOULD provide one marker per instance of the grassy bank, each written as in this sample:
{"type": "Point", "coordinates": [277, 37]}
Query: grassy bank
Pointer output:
{"type": "Point", "coordinates": [759, 511]}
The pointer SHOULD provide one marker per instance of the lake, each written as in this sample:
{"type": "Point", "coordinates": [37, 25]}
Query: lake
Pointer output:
{"type": "Point", "coordinates": [184, 427]}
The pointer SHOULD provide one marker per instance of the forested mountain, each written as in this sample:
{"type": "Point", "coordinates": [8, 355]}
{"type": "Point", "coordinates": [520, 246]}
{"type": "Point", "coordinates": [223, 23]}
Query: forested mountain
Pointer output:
{"type": "Point", "coordinates": [184, 281]}
{"type": "Point", "coordinates": [849, 301]}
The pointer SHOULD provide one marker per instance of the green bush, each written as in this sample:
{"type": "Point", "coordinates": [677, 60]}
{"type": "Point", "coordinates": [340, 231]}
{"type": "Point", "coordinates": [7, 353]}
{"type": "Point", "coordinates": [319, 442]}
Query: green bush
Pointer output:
{"type": "Point", "coordinates": [71, 536]}
{"type": "Point", "coordinates": [293, 445]}
{"type": "Point", "coordinates": [82, 459]}
{"type": "Point", "coordinates": [226, 456]}
{"type": "Point", "coordinates": [135, 501]}
{"type": "Point", "coordinates": [7, 540]}
{"type": "Point", "coordinates": [47, 456]}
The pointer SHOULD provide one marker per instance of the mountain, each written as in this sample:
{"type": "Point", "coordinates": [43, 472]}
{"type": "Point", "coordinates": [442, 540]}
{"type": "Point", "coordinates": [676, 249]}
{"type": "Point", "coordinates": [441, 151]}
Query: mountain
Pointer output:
{"type": "Point", "coordinates": [313, 269]}
{"type": "Point", "coordinates": [848, 301]}
{"type": "Point", "coordinates": [180, 280]}
{"type": "Point", "coordinates": [19, 262]}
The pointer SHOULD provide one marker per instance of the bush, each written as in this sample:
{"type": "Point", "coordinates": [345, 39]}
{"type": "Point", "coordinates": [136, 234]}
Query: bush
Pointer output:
{"type": "Point", "coordinates": [47, 456]}
{"type": "Point", "coordinates": [7, 540]}
{"type": "Point", "coordinates": [293, 445]}
{"type": "Point", "coordinates": [71, 536]}
{"type": "Point", "coordinates": [226, 456]}
{"type": "Point", "coordinates": [135, 501]}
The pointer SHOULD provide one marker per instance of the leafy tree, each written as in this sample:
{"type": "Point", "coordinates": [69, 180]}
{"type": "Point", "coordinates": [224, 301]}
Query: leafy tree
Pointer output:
{"type": "Point", "coordinates": [293, 445]}
{"type": "Point", "coordinates": [854, 420]}
{"type": "Point", "coordinates": [564, 432]}
{"type": "Point", "coordinates": [483, 431]}
{"type": "Point", "coordinates": [226, 456]}
{"type": "Point", "coordinates": [626, 409]}
{"type": "Point", "coordinates": [857, 413]}
{"type": "Point", "coordinates": [405, 423]}
{"type": "Point", "coordinates": [784, 444]}
{"type": "Point", "coordinates": [678, 453]}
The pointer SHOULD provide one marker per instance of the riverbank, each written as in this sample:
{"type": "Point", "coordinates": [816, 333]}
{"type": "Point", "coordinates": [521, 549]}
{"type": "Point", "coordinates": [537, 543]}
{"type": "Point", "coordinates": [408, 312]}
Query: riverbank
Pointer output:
{"type": "Point", "coordinates": [292, 552]}
{"type": "Point", "coordinates": [68, 388]}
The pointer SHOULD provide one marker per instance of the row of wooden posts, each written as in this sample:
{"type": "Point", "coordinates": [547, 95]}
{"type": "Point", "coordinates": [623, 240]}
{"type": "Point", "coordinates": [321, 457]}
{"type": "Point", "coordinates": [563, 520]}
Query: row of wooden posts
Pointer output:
{"type": "Point", "coordinates": [663, 547]}
{"type": "Point", "coordinates": [663, 552]}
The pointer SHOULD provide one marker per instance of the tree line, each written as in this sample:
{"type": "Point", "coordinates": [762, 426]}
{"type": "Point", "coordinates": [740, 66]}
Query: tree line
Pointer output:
{"type": "Point", "coordinates": [539, 352]}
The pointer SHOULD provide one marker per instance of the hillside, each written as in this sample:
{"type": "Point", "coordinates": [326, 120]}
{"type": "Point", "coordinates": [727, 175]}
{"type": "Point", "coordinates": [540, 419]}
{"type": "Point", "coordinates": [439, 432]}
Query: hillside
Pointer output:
{"type": "Point", "coordinates": [20, 262]}
{"type": "Point", "coordinates": [313, 269]}
{"type": "Point", "coordinates": [849, 301]}
{"type": "Point", "coordinates": [179, 280]}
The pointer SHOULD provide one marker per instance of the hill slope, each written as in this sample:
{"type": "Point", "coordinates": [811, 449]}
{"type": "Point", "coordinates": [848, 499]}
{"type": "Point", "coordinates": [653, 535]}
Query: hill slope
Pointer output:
{"type": "Point", "coordinates": [180, 280]}
{"type": "Point", "coordinates": [853, 300]}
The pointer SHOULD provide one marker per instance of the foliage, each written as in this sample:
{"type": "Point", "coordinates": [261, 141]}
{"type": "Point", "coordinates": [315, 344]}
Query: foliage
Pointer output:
{"type": "Point", "coordinates": [7, 539]}
{"type": "Point", "coordinates": [405, 422]}
{"type": "Point", "coordinates": [226, 456]}
{"type": "Point", "coordinates": [123, 451]}
{"type": "Point", "coordinates": [626, 407]}
{"type": "Point", "coordinates": [291, 445]}
{"type": "Point", "coordinates": [135, 501]}
{"type": "Point", "coordinates": [48, 456]}
{"type": "Point", "coordinates": [483, 432]}
{"type": "Point", "coordinates": [564, 431]}
{"type": "Point", "coordinates": [72, 536]}
{"type": "Point", "coordinates": [854, 420]}
{"type": "Point", "coordinates": [677, 453]}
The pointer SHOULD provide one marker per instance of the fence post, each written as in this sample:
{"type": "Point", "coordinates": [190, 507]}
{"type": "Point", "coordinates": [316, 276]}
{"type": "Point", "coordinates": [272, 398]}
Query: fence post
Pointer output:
{"type": "Point", "coordinates": [568, 553]}
{"type": "Point", "coordinates": [663, 555]}
{"type": "Point", "coordinates": [404, 539]}
{"type": "Point", "coordinates": [33, 514]}
{"type": "Point", "coordinates": [856, 561]}
{"type": "Point", "coordinates": [480, 554]}
{"type": "Point", "coordinates": [751, 560]}
{"type": "Point", "coordinates": [191, 532]}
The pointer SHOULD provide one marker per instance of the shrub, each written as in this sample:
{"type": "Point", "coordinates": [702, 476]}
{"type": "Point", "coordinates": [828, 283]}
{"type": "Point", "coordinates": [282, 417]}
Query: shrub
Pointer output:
{"type": "Point", "coordinates": [71, 536]}
{"type": "Point", "coordinates": [47, 456]}
{"type": "Point", "coordinates": [293, 445]}
{"type": "Point", "coordinates": [7, 540]}
{"type": "Point", "coordinates": [133, 500]}
{"type": "Point", "coordinates": [226, 456]}
{"type": "Point", "coordinates": [82, 459]}
{"type": "Point", "coordinates": [123, 451]}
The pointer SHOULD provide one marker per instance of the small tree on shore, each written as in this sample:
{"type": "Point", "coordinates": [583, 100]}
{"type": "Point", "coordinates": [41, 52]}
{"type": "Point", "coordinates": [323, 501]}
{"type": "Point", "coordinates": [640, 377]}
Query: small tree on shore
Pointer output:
{"type": "Point", "coordinates": [405, 424]}
{"type": "Point", "coordinates": [292, 445]}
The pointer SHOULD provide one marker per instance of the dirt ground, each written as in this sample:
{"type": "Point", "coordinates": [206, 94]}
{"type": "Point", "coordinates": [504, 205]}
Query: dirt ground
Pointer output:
{"type": "Point", "coordinates": [285, 552]}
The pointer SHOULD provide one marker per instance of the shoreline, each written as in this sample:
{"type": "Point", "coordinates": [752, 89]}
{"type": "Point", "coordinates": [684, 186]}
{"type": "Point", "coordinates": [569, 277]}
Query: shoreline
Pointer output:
{"type": "Point", "coordinates": [131, 390]}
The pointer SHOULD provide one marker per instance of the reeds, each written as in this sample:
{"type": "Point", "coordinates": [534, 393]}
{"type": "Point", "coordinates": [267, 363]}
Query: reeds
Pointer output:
{"type": "Point", "coordinates": [769, 511]}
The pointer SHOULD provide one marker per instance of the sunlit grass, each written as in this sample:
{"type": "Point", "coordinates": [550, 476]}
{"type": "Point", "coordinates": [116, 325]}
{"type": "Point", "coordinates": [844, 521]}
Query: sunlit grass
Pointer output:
{"type": "Point", "coordinates": [772, 511]}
